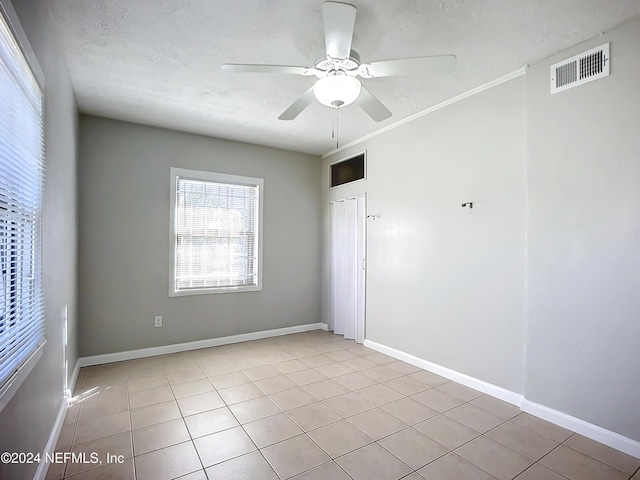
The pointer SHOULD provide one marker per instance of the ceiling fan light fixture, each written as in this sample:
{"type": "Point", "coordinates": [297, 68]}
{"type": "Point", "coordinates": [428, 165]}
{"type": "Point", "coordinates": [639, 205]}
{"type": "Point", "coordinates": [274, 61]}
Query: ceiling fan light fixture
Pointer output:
{"type": "Point", "coordinates": [337, 90]}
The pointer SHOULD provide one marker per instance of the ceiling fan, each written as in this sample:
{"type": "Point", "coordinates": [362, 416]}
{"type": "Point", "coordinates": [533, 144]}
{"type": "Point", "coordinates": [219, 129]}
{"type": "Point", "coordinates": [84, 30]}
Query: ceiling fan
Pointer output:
{"type": "Point", "coordinates": [338, 85]}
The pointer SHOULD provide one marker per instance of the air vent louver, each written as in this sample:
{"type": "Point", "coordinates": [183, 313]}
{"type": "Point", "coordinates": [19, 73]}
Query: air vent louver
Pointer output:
{"type": "Point", "coordinates": [581, 69]}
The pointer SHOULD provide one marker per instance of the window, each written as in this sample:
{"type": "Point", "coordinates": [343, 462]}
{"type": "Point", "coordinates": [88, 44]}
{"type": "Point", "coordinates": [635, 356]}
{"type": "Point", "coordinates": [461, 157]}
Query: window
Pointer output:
{"type": "Point", "coordinates": [216, 240]}
{"type": "Point", "coordinates": [21, 188]}
{"type": "Point", "coordinates": [348, 170]}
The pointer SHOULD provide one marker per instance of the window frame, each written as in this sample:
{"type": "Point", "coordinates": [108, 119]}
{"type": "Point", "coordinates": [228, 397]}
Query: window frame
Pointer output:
{"type": "Point", "coordinates": [218, 178]}
{"type": "Point", "coordinates": [11, 385]}
{"type": "Point", "coordinates": [345, 159]}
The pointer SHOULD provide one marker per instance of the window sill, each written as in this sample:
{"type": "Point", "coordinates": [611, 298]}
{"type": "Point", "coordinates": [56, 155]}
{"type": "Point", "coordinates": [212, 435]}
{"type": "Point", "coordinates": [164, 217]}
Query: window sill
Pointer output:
{"type": "Point", "coordinates": [213, 291]}
{"type": "Point", "coordinates": [11, 386]}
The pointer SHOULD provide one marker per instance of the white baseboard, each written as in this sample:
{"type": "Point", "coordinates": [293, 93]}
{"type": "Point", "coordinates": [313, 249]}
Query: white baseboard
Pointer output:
{"type": "Point", "coordinates": [324, 326]}
{"type": "Point", "coordinates": [43, 466]}
{"type": "Point", "coordinates": [589, 430]}
{"type": "Point", "coordinates": [183, 347]}
{"type": "Point", "coordinates": [480, 385]}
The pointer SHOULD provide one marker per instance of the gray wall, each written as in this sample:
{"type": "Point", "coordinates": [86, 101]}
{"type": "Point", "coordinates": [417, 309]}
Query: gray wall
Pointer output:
{"type": "Point", "coordinates": [27, 421]}
{"type": "Point", "coordinates": [444, 283]}
{"type": "Point", "coordinates": [124, 233]}
{"type": "Point", "coordinates": [584, 240]}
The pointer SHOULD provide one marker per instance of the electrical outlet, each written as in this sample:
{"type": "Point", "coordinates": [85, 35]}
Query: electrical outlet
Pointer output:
{"type": "Point", "coordinates": [158, 321]}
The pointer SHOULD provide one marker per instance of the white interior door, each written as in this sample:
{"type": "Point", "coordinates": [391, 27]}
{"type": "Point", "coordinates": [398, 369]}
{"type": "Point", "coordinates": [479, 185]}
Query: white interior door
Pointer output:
{"type": "Point", "coordinates": [347, 262]}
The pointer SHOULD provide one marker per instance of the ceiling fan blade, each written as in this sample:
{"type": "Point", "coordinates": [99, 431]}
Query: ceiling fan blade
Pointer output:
{"type": "Point", "coordinates": [409, 66]}
{"type": "Point", "coordinates": [298, 106]}
{"type": "Point", "coordinates": [249, 68]}
{"type": "Point", "coordinates": [372, 106]}
{"type": "Point", "coordinates": [339, 20]}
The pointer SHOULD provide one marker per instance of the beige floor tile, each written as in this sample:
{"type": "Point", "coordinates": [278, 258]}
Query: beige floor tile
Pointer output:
{"type": "Point", "coordinates": [334, 370]}
{"type": "Point", "coordinates": [471, 416]}
{"type": "Point", "coordinates": [104, 426]}
{"type": "Point", "coordinates": [538, 472]}
{"type": "Point", "coordinates": [294, 398]}
{"type": "Point", "coordinates": [577, 466]}
{"type": "Point", "coordinates": [219, 369]}
{"type": "Point", "coordinates": [255, 409]}
{"type": "Point", "coordinates": [349, 404]}
{"type": "Point", "coordinates": [301, 352]}
{"type": "Point", "coordinates": [273, 429]}
{"type": "Point", "coordinates": [603, 453]}
{"type": "Point", "coordinates": [373, 463]}
{"type": "Point", "coordinates": [158, 413]}
{"type": "Point", "coordinates": [209, 422]}
{"type": "Point", "coordinates": [278, 357]}
{"type": "Point", "coordinates": [119, 444]}
{"type": "Point", "coordinates": [498, 460]}
{"type": "Point", "coordinates": [502, 409]}
{"type": "Point", "coordinates": [361, 350]}
{"type": "Point", "coordinates": [339, 438]}
{"type": "Point", "coordinates": [186, 374]}
{"type": "Point", "coordinates": [215, 359]}
{"type": "Point", "coordinates": [251, 466]}
{"type": "Point", "coordinates": [437, 399]}
{"type": "Point", "coordinates": [251, 362]}
{"type": "Point", "coordinates": [65, 439]}
{"type": "Point", "coordinates": [446, 431]}
{"type": "Point", "coordinates": [326, 389]}
{"type": "Point", "coordinates": [113, 471]}
{"type": "Point", "coordinates": [146, 370]}
{"type": "Point", "coordinates": [355, 381]}
{"type": "Point", "coordinates": [264, 371]}
{"type": "Point", "coordinates": [200, 403]}
{"type": "Point", "coordinates": [377, 423]}
{"type": "Point", "coordinates": [168, 463]}
{"type": "Point", "coordinates": [381, 373]}
{"type": "Point", "coordinates": [105, 378]}
{"type": "Point", "coordinates": [313, 416]}
{"type": "Point", "coordinates": [522, 440]}
{"type": "Point", "coordinates": [326, 471]}
{"type": "Point", "coordinates": [379, 394]}
{"type": "Point", "coordinates": [147, 383]}
{"type": "Point", "coordinates": [406, 385]}
{"type": "Point", "coordinates": [461, 391]}
{"type": "Point", "coordinates": [403, 367]}
{"type": "Point", "coordinates": [413, 448]}
{"type": "Point", "coordinates": [291, 366]}
{"type": "Point", "coordinates": [454, 467]}
{"type": "Point", "coordinates": [341, 355]}
{"type": "Point", "coordinates": [359, 363]}
{"type": "Point", "coordinates": [240, 393]}
{"type": "Point", "coordinates": [104, 401]}
{"type": "Point", "coordinates": [409, 411]}
{"type": "Point", "coordinates": [276, 384]}
{"type": "Point", "coordinates": [326, 347]}
{"type": "Point", "coordinates": [305, 377]}
{"type": "Point", "coordinates": [429, 378]}
{"type": "Point", "coordinates": [193, 387]}
{"type": "Point", "coordinates": [223, 446]}
{"type": "Point", "coordinates": [542, 427]}
{"type": "Point", "coordinates": [145, 398]}
{"type": "Point", "coordinates": [142, 363]}
{"type": "Point", "coordinates": [230, 379]}
{"type": "Point", "coordinates": [161, 435]}
{"type": "Point", "coordinates": [294, 456]}
{"type": "Point", "coordinates": [381, 358]}
{"type": "Point", "coordinates": [317, 360]}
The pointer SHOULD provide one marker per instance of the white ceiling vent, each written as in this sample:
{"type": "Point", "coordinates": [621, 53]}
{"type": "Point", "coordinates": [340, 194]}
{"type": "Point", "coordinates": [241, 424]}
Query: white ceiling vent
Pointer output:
{"type": "Point", "coordinates": [584, 68]}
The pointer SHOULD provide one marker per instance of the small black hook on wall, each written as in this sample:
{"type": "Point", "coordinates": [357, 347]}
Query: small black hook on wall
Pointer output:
{"type": "Point", "coordinates": [467, 203]}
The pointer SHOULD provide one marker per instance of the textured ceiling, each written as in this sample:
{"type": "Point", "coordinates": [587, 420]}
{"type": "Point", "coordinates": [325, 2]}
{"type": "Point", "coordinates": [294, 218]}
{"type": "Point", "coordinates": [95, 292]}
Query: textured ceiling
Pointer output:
{"type": "Point", "coordinates": [157, 62]}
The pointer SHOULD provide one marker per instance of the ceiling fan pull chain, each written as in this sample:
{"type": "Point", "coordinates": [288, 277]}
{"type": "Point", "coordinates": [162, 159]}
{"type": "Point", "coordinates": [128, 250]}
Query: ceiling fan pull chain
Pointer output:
{"type": "Point", "coordinates": [337, 132]}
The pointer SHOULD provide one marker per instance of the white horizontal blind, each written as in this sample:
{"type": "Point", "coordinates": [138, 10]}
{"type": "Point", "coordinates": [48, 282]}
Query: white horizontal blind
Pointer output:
{"type": "Point", "coordinates": [216, 235]}
{"type": "Point", "coordinates": [21, 188]}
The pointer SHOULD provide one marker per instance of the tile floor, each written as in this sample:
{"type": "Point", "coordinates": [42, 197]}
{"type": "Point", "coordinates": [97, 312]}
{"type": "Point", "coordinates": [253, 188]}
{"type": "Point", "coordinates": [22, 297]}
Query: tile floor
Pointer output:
{"type": "Point", "coordinates": [310, 406]}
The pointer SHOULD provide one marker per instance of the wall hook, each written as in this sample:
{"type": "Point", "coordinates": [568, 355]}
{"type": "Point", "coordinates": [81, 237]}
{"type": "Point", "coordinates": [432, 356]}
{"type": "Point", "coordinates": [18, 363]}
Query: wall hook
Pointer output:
{"type": "Point", "coordinates": [372, 217]}
{"type": "Point", "coordinates": [467, 203]}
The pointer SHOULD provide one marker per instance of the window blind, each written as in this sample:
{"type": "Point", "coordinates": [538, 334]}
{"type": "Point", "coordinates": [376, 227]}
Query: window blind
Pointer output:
{"type": "Point", "coordinates": [21, 189]}
{"type": "Point", "coordinates": [216, 235]}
